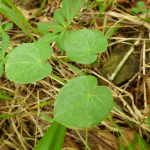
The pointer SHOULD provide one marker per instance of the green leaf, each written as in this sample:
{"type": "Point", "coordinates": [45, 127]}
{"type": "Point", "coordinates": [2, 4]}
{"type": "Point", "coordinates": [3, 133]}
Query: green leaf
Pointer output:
{"type": "Point", "coordinates": [5, 43]}
{"type": "Point", "coordinates": [48, 38]}
{"type": "Point", "coordinates": [75, 8]}
{"type": "Point", "coordinates": [148, 121]}
{"type": "Point", "coordinates": [53, 138]}
{"type": "Point", "coordinates": [144, 10]}
{"type": "Point", "coordinates": [26, 63]}
{"type": "Point", "coordinates": [46, 26]}
{"type": "Point", "coordinates": [89, 4]}
{"type": "Point", "coordinates": [140, 4]}
{"type": "Point", "coordinates": [8, 26]}
{"type": "Point", "coordinates": [81, 103]}
{"type": "Point", "coordinates": [135, 10]}
{"type": "Point", "coordinates": [58, 16]}
{"type": "Point", "coordinates": [66, 8]}
{"type": "Point", "coordinates": [62, 40]}
{"type": "Point", "coordinates": [82, 45]}
{"type": "Point", "coordinates": [1, 68]}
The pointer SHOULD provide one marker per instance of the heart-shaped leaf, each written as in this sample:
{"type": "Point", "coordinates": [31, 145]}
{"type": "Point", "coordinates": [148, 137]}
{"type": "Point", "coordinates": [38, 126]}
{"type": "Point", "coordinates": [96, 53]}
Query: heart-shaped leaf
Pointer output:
{"type": "Point", "coordinates": [82, 45]}
{"type": "Point", "coordinates": [81, 103]}
{"type": "Point", "coordinates": [26, 63]}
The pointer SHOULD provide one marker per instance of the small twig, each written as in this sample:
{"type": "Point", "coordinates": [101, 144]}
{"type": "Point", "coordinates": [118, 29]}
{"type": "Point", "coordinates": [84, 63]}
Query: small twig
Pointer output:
{"type": "Point", "coordinates": [144, 84]}
{"type": "Point", "coordinates": [123, 61]}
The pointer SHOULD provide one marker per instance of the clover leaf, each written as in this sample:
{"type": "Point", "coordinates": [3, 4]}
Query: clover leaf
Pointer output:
{"type": "Point", "coordinates": [82, 45]}
{"type": "Point", "coordinates": [81, 103]}
{"type": "Point", "coordinates": [26, 63]}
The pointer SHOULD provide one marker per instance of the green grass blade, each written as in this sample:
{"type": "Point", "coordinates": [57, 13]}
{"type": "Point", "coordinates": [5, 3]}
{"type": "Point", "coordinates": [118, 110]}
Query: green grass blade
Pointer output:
{"type": "Point", "coordinates": [23, 19]}
{"type": "Point", "coordinates": [144, 143]}
{"type": "Point", "coordinates": [43, 116]}
{"type": "Point", "coordinates": [15, 18]}
{"type": "Point", "coordinates": [120, 143]}
{"type": "Point", "coordinates": [43, 104]}
{"type": "Point", "coordinates": [5, 43]}
{"type": "Point", "coordinates": [120, 133]}
{"type": "Point", "coordinates": [58, 78]}
{"type": "Point", "coordinates": [75, 69]}
{"type": "Point", "coordinates": [140, 142]}
{"type": "Point", "coordinates": [6, 97]}
{"type": "Point", "coordinates": [134, 141]}
{"type": "Point", "coordinates": [53, 138]}
{"type": "Point", "coordinates": [5, 116]}
{"type": "Point", "coordinates": [41, 7]}
{"type": "Point", "coordinates": [102, 10]}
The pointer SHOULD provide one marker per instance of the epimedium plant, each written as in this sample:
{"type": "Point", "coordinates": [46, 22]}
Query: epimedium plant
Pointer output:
{"type": "Point", "coordinates": [81, 103]}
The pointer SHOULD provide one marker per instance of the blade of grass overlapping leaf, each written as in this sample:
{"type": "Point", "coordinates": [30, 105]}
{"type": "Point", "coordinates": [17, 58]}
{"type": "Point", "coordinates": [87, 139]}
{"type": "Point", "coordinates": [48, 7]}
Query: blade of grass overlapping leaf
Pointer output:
{"type": "Point", "coordinates": [58, 16]}
{"type": "Point", "coordinates": [145, 144]}
{"type": "Point", "coordinates": [5, 43]}
{"type": "Point", "coordinates": [1, 69]}
{"type": "Point", "coordinates": [53, 138]}
{"type": "Point", "coordinates": [23, 19]}
{"type": "Point", "coordinates": [49, 38]}
{"type": "Point", "coordinates": [66, 8]}
{"type": "Point", "coordinates": [43, 116]}
{"type": "Point", "coordinates": [15, 18]}
{"type": "Point", "coordinates": [76, 7]}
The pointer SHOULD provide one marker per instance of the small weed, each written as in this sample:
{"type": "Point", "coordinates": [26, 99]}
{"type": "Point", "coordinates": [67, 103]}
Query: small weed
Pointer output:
{"type": "Point", "coordinates": [140, 8]}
